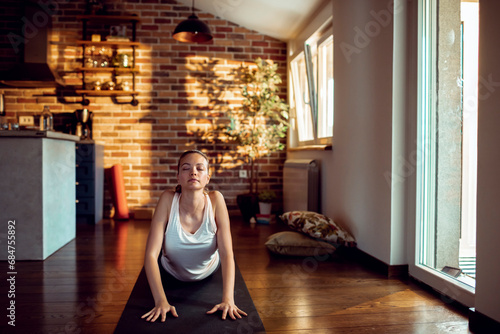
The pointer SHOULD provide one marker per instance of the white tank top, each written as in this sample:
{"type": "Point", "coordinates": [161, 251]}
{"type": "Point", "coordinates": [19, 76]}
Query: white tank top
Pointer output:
{"type": "Point", "coordinates": [190, 256]}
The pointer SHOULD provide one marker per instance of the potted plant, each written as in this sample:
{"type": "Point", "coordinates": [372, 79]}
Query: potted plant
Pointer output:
{"type": "Point", "coordinates": [266, 198]}
{"type": "Point", "coordinates": [260, 125]}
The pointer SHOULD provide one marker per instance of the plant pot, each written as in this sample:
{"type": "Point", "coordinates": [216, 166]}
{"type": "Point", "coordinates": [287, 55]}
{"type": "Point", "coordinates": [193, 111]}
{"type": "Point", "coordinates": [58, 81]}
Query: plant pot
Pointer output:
{"type": "Point", "coordinates": [248, 205]}
{"type": "Point", "coordinates": [265, 208]}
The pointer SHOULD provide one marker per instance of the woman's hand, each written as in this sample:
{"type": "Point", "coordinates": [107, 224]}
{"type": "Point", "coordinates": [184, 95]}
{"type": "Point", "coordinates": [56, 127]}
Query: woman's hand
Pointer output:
{"type": "Point", "coordinates": [228, 308]}
{"type": "Point", "coordinates": [161, 308]}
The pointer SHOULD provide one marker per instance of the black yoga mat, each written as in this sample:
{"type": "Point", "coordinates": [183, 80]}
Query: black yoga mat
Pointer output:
{"type": "Point", "coordinates": [192, 300]}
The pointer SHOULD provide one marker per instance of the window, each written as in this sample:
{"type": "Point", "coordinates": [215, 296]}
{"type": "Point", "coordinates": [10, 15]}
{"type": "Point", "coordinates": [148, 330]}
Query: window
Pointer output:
{"type": "Point", "coordinates": [325, 88]}
{"type": "Point", "coordinates": [312, 78]}
{"type": "Point", "coordinates": [301, 98]}
{"type": "Point", "coordinates": [447, 148]}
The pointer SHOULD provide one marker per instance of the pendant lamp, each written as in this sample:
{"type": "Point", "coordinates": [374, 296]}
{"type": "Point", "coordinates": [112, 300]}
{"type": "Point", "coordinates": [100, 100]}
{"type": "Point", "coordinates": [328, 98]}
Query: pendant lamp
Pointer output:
{"type": "Point", "coordinates": [192, 30]}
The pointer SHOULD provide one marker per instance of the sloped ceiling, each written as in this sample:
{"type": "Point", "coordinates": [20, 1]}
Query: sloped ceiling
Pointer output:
{"type": "Point", "coordinates": [281, 19]}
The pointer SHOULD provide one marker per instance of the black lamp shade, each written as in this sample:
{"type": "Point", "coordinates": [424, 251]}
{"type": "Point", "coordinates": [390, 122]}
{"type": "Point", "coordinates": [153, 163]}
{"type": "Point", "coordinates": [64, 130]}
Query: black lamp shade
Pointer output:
{"type": "Point", "coordinates": [192, 30]}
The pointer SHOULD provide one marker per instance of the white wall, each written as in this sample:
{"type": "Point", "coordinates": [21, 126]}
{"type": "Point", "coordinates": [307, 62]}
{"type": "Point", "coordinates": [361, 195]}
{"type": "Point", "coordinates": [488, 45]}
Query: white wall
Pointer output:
{"type": "Point", "coordinates": [355, 190]}
{"type": "Point", "coordinates": [487, 299]}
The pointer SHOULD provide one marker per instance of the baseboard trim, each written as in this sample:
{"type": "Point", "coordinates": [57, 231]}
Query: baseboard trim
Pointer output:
{"type": "Point", "coordinates": [480, 323]}
{"type": "Point", "coordinates": [379, 266]}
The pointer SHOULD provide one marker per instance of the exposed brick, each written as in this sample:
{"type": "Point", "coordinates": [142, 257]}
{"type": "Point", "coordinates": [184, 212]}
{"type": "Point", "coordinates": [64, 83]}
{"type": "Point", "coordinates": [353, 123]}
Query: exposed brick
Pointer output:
{"type": "Point", "coordinates": [260, 43]}
{"type": "Point", "coordinates": [178, 83]}
{"type": "Point", "coordinates": [223, 29]}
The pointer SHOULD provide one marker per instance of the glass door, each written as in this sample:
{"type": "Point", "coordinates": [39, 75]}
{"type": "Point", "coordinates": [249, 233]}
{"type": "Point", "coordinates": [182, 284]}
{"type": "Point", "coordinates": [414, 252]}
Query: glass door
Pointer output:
{"type": "Point", "coordinates": [447, 147]}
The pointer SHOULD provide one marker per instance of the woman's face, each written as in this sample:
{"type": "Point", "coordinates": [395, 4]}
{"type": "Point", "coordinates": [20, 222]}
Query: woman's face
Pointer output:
{"type": "Point", "coordinates": [193, 172]}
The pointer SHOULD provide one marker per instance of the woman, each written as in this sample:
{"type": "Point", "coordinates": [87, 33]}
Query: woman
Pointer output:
{"type": "Point", "coordinates": [183, 217]}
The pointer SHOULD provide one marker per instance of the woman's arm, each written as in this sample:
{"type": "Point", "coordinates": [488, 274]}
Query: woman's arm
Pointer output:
{"type": "Point", "coordinates": [225, 246]}
{"type": "Point", "coordinates": [153, 248]}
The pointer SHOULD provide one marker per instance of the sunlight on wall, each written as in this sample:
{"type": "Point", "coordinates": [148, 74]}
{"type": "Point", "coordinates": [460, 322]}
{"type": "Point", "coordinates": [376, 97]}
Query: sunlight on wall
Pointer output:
{"type": "Point", "coordinates": [213, 97]}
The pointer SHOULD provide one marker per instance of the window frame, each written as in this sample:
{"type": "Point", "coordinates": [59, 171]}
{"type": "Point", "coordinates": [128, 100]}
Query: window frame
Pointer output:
{"type": "Point", "coordinates": [298, 97]}
{"type": "Point", "coordinates": [311, 53]}
{"type": "Point", "coordinates": [420, 252]}
{"type": "Point", "coordinates": [328, 138]}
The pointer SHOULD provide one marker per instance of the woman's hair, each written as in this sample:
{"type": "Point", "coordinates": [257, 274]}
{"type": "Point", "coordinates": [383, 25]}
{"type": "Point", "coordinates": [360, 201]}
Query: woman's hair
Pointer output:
{"type": "Point", "coordinates": [178, 188]}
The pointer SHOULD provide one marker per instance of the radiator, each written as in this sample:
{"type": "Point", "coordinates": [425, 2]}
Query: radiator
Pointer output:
{"type": "Point", "coordinates": [301, 185]}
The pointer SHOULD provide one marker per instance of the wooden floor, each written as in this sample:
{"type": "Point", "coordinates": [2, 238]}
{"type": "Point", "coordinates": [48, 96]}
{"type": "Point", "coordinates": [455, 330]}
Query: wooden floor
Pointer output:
{"type": "Point", "coordinates": [84, 286]}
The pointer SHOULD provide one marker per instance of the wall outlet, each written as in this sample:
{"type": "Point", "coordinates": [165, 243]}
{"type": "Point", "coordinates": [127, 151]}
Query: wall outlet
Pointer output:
{"type": "Point", "coordinates": [243, 174]}
{"type": "Point", "coordinates": [26, 120]}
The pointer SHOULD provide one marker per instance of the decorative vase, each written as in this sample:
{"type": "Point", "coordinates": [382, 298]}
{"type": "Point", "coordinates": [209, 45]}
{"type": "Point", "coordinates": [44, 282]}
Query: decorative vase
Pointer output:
{"type": "Point", "coordinates": [265, 208]}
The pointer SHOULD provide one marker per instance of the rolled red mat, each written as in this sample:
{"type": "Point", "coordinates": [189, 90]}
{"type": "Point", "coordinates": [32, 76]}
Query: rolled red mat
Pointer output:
{"type": "Point", "coordinates": [118, 193]}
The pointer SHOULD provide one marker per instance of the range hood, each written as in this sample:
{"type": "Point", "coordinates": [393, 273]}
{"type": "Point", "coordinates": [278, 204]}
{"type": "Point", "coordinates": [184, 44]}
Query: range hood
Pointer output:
{"type": "Point", "coordinates": [35, 71]}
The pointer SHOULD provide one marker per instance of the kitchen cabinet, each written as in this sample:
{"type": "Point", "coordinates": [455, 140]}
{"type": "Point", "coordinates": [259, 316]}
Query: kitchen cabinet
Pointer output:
{"type": "Point", "coordinates": [38, 191]}
{"type": "Point", "coordinates": [89, 182]}
{"type": "Point", "coordinates": [114, 59]}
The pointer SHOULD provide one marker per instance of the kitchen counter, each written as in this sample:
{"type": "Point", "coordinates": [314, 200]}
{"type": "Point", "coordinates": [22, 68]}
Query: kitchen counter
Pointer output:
{"type": "Point", "coordinates": [38, 134]}
{"type": "Point", "coordinates": [37, 192]}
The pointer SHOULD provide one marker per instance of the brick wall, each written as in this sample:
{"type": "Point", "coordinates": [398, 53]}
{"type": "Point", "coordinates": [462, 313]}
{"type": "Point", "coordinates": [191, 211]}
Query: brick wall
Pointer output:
{"type": "Point", "coordinates": [185, 90]}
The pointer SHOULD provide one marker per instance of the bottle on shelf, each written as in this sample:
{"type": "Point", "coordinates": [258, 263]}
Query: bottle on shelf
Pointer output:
{"type": "Point", "coordinates": [46, 119]}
